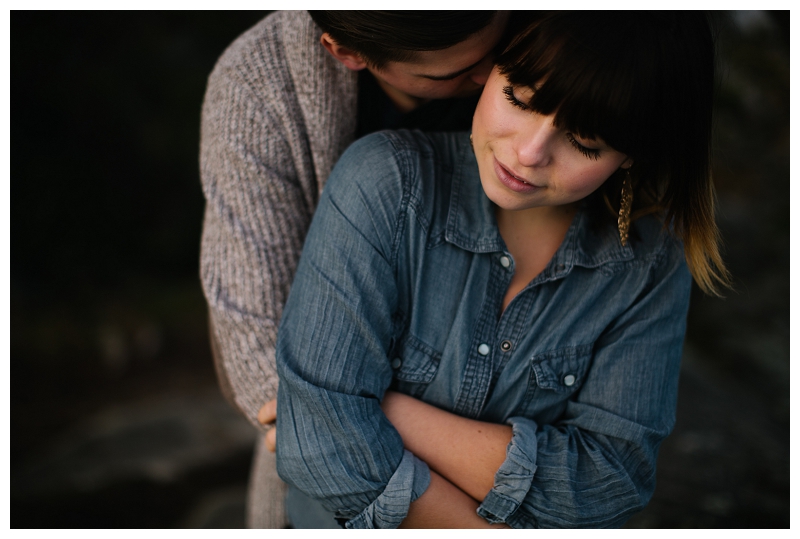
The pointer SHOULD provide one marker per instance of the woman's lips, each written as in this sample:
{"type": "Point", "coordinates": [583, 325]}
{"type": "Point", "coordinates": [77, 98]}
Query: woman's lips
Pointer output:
{"type": "Point", "coordinates": [511, 181]}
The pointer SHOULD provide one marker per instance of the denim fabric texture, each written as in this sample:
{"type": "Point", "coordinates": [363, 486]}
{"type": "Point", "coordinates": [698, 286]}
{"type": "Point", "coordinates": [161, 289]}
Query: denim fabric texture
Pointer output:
{"type": "Point", "coordinates": [400, 285]}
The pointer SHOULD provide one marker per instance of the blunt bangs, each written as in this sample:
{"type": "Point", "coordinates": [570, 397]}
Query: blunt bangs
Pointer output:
{"type": "Point", "coordinates": [644, 83]}
{"type": "Point", "coordinates": [604, 74]}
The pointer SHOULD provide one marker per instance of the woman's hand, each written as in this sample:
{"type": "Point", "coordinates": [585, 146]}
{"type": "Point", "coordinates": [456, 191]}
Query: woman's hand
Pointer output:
{"type": "Point", "coordinates": [266, 416]}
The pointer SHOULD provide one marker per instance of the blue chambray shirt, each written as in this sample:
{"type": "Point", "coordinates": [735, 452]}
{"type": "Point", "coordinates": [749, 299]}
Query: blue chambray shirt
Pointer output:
{"type": "Point", "coordinates": [400, 285]}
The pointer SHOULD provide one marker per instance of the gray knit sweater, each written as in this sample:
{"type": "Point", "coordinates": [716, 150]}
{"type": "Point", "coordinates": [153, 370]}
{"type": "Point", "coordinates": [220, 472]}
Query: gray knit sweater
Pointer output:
{"type": "Point", "coordinates": [278, 112]}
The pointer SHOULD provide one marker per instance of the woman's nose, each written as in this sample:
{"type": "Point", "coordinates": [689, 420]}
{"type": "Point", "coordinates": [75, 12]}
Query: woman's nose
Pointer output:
{"type": "Point", "coordinates": [534, 144]}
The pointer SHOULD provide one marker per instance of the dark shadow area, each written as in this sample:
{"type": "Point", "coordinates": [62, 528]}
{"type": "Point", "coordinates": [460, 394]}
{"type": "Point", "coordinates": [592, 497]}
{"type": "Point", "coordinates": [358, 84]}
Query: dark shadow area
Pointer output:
{"type": "Point", "coordinates": [116, 420]}
{"type": "Point", "coordinates": [108, 315]}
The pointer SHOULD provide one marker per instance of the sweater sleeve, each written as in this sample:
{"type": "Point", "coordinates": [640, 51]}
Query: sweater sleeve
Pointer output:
{"type": "Point", "coordinates": [261, 186]}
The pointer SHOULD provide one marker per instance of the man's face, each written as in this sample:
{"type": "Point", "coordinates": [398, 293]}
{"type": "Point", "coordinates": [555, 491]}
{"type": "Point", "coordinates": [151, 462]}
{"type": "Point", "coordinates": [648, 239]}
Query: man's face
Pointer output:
{"type": "Point", "coordinates": [457, 71]}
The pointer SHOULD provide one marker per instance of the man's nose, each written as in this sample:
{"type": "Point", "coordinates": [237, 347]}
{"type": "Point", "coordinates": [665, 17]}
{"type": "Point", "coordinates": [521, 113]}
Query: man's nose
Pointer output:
{"type": "Point", "coordinates": [481, 73]}
{"type": "Point", "coordinates": [479, 78]}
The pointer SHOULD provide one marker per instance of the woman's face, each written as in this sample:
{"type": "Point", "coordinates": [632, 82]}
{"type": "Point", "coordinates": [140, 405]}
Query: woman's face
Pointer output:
{"type": "Point", "coordinates": [525, 161]}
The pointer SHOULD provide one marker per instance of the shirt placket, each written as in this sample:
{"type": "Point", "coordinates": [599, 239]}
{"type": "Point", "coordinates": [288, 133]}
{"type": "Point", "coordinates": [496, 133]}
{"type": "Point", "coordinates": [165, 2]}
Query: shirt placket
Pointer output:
{"type": "Point", "coordinates": [484, 347]}
{"type": "Point", "coordinates": [509, 332]}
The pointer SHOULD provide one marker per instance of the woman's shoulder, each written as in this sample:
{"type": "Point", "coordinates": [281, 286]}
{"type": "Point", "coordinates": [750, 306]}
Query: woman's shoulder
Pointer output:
{"type": "Point", "coordinates": [412, 143]}
{"type": "Point", "coordinates": [656, 248]}
{"type": "Point", "coordinates": [651, 236]}
{"type": "Point", "coordinates": [394, 173]}
{"type": "Point", "coordinates": [650, 244]}
{"type": "Point", "coordinates": [409, 159]}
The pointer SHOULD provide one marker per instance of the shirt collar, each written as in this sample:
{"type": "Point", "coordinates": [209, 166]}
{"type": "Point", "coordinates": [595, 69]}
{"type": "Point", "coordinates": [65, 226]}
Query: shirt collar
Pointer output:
{"type": "Point", "coordinates": [471, 225]}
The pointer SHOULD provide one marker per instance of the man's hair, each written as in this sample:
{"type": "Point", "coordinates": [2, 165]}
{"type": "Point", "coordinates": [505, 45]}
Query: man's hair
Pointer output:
{"type": "Point", "coordinates": [394, 36]}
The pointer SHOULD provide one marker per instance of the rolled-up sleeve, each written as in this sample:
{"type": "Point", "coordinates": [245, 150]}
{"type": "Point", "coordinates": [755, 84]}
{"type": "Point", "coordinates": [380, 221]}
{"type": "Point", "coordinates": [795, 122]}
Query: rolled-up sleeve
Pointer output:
{"type": "Point", "coordinates": [334, 443]}
{"type": "Point", "coordinates": [390, 508]}
{"type": "Point", "coordinates": [513, 479]}
{"type": "Point", "coordinates": [595, 467]}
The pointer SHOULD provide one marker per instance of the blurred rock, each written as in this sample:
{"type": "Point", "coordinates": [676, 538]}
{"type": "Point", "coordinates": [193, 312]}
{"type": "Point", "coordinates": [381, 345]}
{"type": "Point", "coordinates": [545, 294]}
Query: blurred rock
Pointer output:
{"type": "Point", "coordinates": [113, 348]}
{"type": "Point", "coordinates": [726, 464]}
{"type": "Point", "coordinates": [158, 439]}
{"type": "Point", "coordinates": [220, 509]}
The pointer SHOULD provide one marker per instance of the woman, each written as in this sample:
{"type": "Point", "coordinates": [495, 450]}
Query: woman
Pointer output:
{"type": "Point", "coordinates": [472, 338]}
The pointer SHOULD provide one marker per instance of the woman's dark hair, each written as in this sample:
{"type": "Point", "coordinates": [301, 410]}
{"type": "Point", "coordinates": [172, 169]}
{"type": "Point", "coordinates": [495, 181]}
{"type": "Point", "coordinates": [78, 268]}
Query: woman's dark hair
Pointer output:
{"type": "Point", "coordinates": [644, 83]}
{"type": "Point", "coordinates": [394, 36]}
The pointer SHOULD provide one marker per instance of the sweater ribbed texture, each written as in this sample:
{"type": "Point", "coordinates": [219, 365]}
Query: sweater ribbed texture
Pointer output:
{"type": "Point", "coordinates": [278, 112]}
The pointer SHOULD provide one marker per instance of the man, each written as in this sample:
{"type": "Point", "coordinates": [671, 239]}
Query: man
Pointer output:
{"type": "Point", "coordinates": [283, 102]}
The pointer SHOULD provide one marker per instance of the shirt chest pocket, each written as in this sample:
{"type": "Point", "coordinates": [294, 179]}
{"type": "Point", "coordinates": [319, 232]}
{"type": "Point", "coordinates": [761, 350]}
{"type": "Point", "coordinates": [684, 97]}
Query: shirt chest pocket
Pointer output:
{"type": "Point", "coordinates": [554, 377]}
{"type": "Point", "coordinates": [414, 365]}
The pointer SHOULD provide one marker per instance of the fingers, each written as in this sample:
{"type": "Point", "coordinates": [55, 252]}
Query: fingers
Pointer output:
{"type": "Point", "coordinates": [268, 412]}
{"type": "Point", "coordinates": [266, 416]}
{"type": "Point", "coordinates": [269, 439]}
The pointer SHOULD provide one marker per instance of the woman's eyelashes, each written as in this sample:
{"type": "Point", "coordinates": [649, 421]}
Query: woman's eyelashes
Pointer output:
{"type": "Point", "coordinates": [509, 93]}
{"type": "Point", "coordinates": [591, 153]}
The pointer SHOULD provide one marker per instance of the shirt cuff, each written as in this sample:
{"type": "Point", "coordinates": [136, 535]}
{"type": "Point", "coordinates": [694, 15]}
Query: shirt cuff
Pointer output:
{"type": "Point", "coordinates": [513, 480]}
{"type": "Point", "coordinates": [408, 482]}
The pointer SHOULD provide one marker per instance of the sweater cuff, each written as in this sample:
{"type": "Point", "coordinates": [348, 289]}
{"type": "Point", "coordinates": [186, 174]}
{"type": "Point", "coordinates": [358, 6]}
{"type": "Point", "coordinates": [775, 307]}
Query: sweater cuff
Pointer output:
{"type": "Point", "coordinates": [513, 480]}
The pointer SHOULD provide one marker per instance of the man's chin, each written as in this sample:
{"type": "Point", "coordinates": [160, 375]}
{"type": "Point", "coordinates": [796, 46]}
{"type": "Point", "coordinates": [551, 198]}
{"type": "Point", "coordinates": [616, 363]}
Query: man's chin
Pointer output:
{"type": "Point", "coordinates": [469, 92]}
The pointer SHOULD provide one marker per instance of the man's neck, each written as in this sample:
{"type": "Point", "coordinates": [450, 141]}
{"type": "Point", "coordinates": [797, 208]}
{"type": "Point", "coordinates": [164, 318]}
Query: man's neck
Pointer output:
{"type": "Point", "coordinates": [404, 102]}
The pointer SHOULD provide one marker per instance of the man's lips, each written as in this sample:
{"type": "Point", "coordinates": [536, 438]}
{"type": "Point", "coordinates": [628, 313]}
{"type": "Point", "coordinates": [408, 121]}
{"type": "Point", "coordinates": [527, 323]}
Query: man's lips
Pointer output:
{"type": "Point", "coordinates": [512, 181]}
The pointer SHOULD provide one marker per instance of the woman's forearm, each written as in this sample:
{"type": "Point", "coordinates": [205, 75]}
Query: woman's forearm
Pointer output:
{"type": "Point", "coordinates": [443, 505]}
{"type": "Point", "coordinates": [464, 451]}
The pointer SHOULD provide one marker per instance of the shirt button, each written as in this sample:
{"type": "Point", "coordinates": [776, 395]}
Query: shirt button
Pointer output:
{"type": "Point", "coordinates": [396, 362]}
{"type": "Point", "coordinates": [483, 349]}
{"type": "Point", "coordinates": [560, 267]}
{"type": "Point", "coordinates": [505, 261]}
{"type": "Point", "coordinates": [569, 380]}
{"type": "Point", "coordinates": [505, 346]}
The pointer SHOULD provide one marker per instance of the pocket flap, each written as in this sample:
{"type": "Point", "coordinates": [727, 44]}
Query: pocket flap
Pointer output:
{"type": "Point", "coordinates": [415, 361]}
{"type": "Point", "coordinates": [564, 369]}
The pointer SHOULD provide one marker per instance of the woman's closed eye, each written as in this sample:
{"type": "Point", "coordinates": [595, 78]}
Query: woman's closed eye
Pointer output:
{"type": "Point", "coordinates": [591, 153]}
{"type": "Point", "coordinates": [508, 91]}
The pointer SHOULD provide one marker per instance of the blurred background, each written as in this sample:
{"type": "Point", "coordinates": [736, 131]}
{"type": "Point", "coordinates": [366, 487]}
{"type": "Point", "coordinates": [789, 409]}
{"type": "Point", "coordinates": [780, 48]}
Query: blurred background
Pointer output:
{"type": "Point", "coordinates": [116, 419]}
